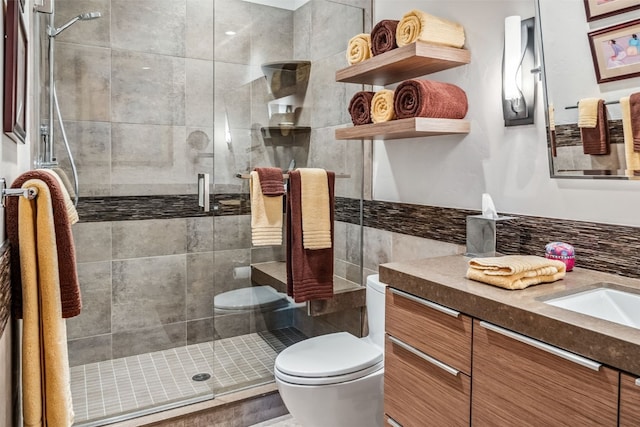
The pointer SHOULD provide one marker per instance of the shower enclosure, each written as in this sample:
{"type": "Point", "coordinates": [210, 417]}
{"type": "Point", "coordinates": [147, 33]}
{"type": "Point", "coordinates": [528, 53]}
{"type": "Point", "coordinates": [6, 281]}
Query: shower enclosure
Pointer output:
{"type": "Point", "coordinates": [153, 93]}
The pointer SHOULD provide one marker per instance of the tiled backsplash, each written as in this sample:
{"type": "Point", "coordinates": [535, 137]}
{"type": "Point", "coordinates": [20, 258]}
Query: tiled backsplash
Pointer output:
{"type": "Point", "coordinates": [604, 247]}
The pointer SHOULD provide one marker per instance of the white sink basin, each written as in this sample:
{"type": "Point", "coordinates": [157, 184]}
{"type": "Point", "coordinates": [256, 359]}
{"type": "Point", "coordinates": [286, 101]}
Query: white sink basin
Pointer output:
{"type": "Point", "coordinates": [603, 303]}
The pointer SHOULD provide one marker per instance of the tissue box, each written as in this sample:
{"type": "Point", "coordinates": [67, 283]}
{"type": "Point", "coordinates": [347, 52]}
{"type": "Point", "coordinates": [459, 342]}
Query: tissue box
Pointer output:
{"type": "Point", "coordinates": [562, 252]}
{"type": "Point", "coordinates": [481, 235]}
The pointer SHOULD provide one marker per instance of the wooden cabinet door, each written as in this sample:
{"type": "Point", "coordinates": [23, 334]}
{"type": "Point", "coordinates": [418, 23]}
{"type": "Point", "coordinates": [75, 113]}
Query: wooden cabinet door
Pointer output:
{"type": "Point", "coordinates": [629, 401]}
{"type": "Point", "coordinates": [422, 391]}
{"type": "Point", "coordinates": [438, 331]}
{"type": "Point", "coordinates": [518, 383]}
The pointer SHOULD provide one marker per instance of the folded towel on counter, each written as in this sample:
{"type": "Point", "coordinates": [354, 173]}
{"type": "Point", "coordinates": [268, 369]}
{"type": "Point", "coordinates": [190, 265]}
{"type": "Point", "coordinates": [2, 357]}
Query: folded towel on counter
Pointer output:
{"type": "Point", "coordinates": [515, 271]}
{"type": "Point", "coordinates": [632, 157]}
{"type": "Point", "coordinates": [382, 106]}
{"type": "Point", "coordinates": [271, 181]}
{"type": "Point", "coordinates": [417, 25]}
{"type": "Point", "coordinates": [266, 215]}
{"type": "Point", "coordinates": [595, 141]}
{"type": "Point", "coordinates": [359, 48]}
{"type": "Point", "coordinates": [68, 276]}
{"type": "Point", "coordinates": [588, 112]}
{"type": "Point", "coordinates": [428, 98]}
{"type": "Point", "coordinates": [634, 106]}
{"type": "Point", "coordinates": [383, 36]}
{"type": "Point", "coordinates": [315, 204]}
{"type": "Point", "coordinates": [360, 107]}
{"type": "Point", "coordinates": [309, 272]}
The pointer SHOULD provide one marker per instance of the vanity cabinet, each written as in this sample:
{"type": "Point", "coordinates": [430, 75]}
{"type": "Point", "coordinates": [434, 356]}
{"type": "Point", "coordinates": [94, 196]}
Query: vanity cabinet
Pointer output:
{"type": "Point", "coordinates": [427, 362]}
{"type": "Point", "coordinates": [443, 367]}
{"type": "Point", "coordinates": [520, 381]}
{"type": "Point", "coordinates": [629, 401]}
{"type": "Point", "coordinates": [406, 62]}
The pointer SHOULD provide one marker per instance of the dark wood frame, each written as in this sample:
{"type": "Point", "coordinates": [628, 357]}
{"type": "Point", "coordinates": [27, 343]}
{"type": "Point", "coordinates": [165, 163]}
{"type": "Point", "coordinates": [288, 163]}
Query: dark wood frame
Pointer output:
{"type": "Point", "coordinates": [592, 17]}
{"type": "Point", "coordinates": [15, 74]}
{"type": "Point", "coordinates": [618, 73]}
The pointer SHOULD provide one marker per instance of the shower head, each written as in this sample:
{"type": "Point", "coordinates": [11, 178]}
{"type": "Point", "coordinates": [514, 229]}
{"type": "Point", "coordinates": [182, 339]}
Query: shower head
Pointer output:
{"type": "Point", "coordinates": [53, 32]}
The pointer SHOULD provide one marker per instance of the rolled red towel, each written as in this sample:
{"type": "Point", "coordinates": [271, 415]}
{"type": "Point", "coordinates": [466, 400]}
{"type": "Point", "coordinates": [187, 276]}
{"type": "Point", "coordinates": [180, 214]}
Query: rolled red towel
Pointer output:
{"type": "Point", "coordinates": [360, 108]}
{"type": "Point", "coordinates": [428, 98]}
{"type": "Point", "coordinates": [383, 36]}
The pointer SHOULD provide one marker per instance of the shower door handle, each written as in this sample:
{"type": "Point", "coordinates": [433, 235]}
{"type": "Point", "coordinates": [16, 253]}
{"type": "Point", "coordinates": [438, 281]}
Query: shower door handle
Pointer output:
{"type": "Point", "coordinates": [203, 191]}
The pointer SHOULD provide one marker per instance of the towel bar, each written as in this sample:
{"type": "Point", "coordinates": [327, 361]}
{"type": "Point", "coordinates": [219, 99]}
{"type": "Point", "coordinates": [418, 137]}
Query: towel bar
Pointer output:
{"type": "Point", "coordinates": [570, 107]}
{"type": "Point", "coordinates": [29, 193]}
{"type": "Point", "coordinates": [286, 175]}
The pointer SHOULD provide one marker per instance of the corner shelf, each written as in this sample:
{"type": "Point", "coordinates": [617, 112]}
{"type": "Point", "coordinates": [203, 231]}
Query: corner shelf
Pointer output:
{"type": "Point", "coordinates": [405, 128]}
{"type": "Point", "coordinates": [285, 135]}
{"type": "Point", "coordinates": [415, 59]}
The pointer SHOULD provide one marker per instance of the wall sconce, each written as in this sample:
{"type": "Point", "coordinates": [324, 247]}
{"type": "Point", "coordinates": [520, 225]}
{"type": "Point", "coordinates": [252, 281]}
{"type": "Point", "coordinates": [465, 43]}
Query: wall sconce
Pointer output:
{"type": "Point", "coordinates": [519, 72]}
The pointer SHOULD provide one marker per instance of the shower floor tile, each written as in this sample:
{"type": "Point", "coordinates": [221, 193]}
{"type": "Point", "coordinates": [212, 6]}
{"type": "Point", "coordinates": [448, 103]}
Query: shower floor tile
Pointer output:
{"type": "Point", "coordinates": [113, 387]}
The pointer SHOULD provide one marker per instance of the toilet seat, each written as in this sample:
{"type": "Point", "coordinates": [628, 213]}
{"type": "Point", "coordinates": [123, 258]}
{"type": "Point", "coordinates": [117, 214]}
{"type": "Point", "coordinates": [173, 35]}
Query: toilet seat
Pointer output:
{"type": "Point", "coordinates": [250, 298]}
{"type": "Point", "coordinates": [328, 359]}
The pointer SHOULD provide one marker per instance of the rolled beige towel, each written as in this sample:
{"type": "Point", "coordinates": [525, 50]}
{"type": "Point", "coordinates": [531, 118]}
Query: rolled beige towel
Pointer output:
{"type": "Point", "coordinates": [418, 25]}
{"type": "Point", "coordinates": [359, 48]}
{"type": "Point", "coordinates": [382, 106]}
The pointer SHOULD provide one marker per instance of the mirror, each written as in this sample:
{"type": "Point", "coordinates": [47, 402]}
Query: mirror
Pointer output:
{"type": "Point", "coordinates": [570, 74]}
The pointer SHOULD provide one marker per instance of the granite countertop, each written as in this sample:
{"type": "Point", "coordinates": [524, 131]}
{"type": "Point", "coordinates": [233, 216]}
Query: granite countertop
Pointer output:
{"type": "Point", "coordinates": [442, 280]}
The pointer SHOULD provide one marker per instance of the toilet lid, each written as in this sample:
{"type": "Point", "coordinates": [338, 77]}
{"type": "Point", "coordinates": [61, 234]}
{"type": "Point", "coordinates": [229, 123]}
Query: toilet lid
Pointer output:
{"type": "Point", "coordinates": [252, 297]}
{"type": "Point", "coordinates": [328, 355]}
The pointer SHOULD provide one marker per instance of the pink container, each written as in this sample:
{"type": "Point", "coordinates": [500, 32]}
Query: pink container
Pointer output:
{"type": "Point", "coordinates": [562, 252]}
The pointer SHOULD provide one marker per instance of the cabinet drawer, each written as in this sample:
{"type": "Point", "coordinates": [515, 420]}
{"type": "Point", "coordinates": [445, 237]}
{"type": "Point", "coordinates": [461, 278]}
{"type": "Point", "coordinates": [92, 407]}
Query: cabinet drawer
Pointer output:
{"type": "Point", "coordinates": [444, 335]}
{"type": "Point", "coordinates": [629, 401]}
{"type": "Point", "coordinates": [521, 381]}
{"type": "Point", "coordinates": [416, 390]}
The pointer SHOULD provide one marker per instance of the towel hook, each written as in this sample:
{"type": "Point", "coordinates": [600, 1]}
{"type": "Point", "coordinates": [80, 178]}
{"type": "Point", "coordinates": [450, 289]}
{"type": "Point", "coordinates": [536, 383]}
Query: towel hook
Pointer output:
{"type": "Point", "coordinates": [29, 193]}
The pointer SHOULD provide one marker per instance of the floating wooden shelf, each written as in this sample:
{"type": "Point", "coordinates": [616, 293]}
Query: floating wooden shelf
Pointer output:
{"type": "Point", "coordinates": [416, 59]}
{"type": "Point", "coordinates": [405, 128]}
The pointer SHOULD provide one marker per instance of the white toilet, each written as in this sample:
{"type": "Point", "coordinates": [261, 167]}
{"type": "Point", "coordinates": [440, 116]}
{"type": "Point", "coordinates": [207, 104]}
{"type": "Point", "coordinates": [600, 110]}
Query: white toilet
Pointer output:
{"type": "Point", "coordinates": [250, 299]}
{"type": "Point", "coordinates": [337, 379]}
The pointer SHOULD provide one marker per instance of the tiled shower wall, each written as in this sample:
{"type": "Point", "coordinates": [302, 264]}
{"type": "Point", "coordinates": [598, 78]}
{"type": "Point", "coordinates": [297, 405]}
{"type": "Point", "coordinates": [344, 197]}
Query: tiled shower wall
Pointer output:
{"type": "Point", "coordinates": [135, 88]}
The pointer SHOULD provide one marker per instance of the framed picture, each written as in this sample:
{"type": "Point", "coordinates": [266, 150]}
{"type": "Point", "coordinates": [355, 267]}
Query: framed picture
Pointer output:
{"type": "Point", "coordinates": [615, 51]}
{"type": "Point", "coordinates": [15, 74]}
{"type": "Point", "coordinates": [597, 9]}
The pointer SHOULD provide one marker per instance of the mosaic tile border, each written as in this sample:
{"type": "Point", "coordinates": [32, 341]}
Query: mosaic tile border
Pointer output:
{"type": "Point", "coordinates": [5, 286]}
{"type": "Point", "coordinates": [127, 208]}
{"type": "Point", "coordinates": [569, 134]}
{"type": "Point", "coordinates": [605, 247]}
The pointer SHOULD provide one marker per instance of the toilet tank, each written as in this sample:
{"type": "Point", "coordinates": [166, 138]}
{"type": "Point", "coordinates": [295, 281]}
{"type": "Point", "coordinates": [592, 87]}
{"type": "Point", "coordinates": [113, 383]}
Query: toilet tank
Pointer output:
{"type": "Point", "coordinates": [375, 310]}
